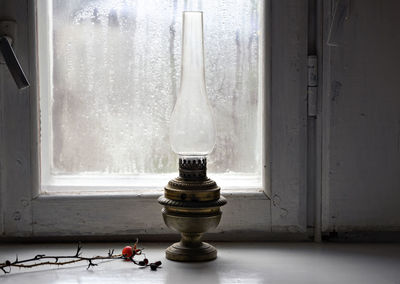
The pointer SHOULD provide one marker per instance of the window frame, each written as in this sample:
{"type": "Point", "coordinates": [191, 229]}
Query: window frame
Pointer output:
{"type": "Point", "coordinates": [279, 207]}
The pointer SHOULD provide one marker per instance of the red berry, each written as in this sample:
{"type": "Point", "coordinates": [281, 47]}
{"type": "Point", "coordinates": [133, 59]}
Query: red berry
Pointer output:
{"type": "Point", "coordinates": [127, 251]}
{"type": "Point", "coordinates": [146, 261]}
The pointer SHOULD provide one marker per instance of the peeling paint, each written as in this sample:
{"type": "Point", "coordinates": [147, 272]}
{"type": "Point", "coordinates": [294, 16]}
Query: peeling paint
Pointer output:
{"type": "Point", "coordinates": [335, 89]}
{"type": "Point", "coordinates": [284, 212]}
{"type": "Point", "coordinates": [17, 216]}
{"type": "Point", "coordinates": [276, 200]}
{"type": "Point", "coordinates": [24, 203]}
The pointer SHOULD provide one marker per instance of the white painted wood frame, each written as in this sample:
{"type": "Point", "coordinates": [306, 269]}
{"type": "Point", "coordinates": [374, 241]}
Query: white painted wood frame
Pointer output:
{"type": "Point", "coordinates": [278, 210]}
{"type": "Point", "coordinates": [360, 122]}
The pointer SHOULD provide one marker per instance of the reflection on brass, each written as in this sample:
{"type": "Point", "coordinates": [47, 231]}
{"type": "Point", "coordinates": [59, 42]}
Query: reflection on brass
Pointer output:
{"type": "Point", "coordinates": [192, 195]}
{"type": "Point", "coordinates": [192, 207]}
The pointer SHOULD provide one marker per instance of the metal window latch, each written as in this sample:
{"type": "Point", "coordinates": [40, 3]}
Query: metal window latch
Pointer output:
{"type": "Point", "coordinates": [312, 86]}
{"type": "Point", "coordinates": [7, 34]}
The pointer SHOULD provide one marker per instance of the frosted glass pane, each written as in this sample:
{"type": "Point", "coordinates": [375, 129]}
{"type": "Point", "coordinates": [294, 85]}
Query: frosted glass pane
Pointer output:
{"type": "Point", "coordinates": [116, 68]}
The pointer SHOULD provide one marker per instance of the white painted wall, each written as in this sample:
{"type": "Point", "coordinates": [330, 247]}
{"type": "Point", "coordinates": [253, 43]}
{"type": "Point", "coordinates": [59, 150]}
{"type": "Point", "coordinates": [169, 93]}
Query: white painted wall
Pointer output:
{"type": "Point", "coordinates": [16, 122]}
{"type": "Point", "coordinates": [361, 105]}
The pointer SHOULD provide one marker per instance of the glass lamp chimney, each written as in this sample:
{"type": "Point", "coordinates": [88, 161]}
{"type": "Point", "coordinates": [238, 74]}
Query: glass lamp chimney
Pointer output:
{"type": "Point", "coordinates": [192, 129]}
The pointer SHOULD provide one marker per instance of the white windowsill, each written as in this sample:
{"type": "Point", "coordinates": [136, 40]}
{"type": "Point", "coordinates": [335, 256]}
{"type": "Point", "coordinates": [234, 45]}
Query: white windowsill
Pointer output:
{"type": "Point", "coordinates": [142, 186]}
{"type": "Point", "coordinates": [236, 263]}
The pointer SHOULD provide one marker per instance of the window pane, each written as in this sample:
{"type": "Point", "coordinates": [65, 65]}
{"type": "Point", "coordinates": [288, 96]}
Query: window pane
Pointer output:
{"type": "Point", "coordinates": [115, 74]}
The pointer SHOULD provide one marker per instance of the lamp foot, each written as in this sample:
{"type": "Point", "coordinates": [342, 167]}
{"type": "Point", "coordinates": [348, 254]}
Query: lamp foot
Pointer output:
{"type": "Point", "coordinates": [180, 252]}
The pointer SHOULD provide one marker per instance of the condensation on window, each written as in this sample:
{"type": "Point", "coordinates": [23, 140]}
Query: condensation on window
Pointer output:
{"type": "Point", "coordinates": [116, 71]}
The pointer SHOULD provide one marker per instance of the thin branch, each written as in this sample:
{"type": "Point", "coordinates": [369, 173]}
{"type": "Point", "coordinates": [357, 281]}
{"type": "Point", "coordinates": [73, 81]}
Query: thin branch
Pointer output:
{"type": "Point", "coordinates": [78, 250]}
{"type": "Point", "coordinates": [74, 259]}
{"type": "Point", "coordinates": [42, 259]}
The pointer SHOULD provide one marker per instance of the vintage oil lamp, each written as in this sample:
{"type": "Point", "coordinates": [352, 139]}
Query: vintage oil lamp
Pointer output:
{"type": "Point", "coordinates": [192, 201]}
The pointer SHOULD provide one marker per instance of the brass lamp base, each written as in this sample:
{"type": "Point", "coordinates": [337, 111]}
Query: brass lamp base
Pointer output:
{"type": "Point", "coordinates": [181, 252]}
{"type": "Point", "coordinates": [191, 206]}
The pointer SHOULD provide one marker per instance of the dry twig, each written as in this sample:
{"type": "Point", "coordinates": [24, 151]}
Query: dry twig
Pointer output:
{"type": "Point", "coordinates": [42, 259]}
